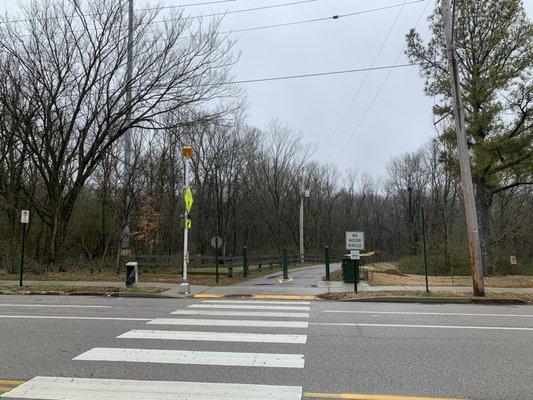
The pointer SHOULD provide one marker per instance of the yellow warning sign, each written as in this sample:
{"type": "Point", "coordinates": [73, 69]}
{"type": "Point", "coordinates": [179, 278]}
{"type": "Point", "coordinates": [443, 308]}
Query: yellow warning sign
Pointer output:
{"type": "Point", "coordinates": [188, 199]}
{"type": "Point", "coordinates": [188, 223]}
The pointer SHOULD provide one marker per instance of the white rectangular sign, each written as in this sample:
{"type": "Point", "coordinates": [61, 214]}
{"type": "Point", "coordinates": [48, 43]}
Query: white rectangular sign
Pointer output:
{"type": "Point", "coordinates": [354, 255]}
{"type": "Point", "coordinates": [355, 240]}
{"type": "Point", "coordinates": [25, 216]}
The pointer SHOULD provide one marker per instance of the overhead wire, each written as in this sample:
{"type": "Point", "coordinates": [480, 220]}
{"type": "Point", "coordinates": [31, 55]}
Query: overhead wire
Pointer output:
{"type": "Point", "coordinates": [136, 10]}
{"type": "Point", "coordinates": [321, 19]}
{"type": "Point", "coordinates": [339, 72]}
{"type": "Point", "coordinates": [363, 82]}
{"type": "Point", "coordinates": [380, 89]}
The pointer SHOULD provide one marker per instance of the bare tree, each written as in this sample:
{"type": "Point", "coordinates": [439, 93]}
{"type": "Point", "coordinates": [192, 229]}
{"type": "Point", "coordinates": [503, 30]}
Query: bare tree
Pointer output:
{"type": "Point", "coordinates": [64, 87]}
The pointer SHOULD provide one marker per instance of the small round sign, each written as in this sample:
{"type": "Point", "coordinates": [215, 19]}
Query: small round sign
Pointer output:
{"type": "Point", "coordinates": [216, 242]}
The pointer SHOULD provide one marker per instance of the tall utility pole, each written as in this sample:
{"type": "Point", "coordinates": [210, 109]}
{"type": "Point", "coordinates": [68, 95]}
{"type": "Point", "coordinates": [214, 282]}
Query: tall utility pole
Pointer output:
{"type": "Point", "coordinates": [126, 251]}
{"type": "Point", "coordinates": [463, 154]}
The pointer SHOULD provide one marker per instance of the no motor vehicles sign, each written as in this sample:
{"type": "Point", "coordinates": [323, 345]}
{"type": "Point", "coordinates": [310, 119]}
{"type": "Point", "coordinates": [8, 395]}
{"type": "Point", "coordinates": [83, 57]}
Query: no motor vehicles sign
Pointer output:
{"type": "Point", "coordinates": [355, 240]}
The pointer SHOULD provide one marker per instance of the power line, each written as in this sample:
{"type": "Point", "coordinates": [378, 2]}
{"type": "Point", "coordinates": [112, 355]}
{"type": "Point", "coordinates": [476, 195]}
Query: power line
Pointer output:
{"type": "Point", "coordinates": [302, 76]}
{"type": "Point", "coordinates": [339, 72]}
{"type": "Point", "coordinates": [363, 82]}
{"type": "Point", "coordinates": [380, 89]}
{"type": "Point", "coordinates": [136, 10]}
{"type": "Point", "coordinates": [294, 3]}
{"type": "Point", "coordinates": [300, 2]}
{"type": "Point", "coordinates": [332, 17]}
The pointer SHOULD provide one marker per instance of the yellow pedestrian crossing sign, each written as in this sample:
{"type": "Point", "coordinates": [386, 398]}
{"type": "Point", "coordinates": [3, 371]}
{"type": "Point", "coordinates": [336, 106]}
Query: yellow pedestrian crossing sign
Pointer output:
{"type": "Point", "coordinates": [188, 223]}
{"type": "Point", "coordinates": [188, 199]}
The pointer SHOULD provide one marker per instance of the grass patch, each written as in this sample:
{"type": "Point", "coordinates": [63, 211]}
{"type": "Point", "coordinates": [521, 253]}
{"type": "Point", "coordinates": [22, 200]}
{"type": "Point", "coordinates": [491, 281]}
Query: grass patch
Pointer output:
{"type": "Point", "coordinates": [422, 294]}
{"type": "Point", "coordinates": [4, 289]}
{"type": "Point", "coordinates": [147, 275]}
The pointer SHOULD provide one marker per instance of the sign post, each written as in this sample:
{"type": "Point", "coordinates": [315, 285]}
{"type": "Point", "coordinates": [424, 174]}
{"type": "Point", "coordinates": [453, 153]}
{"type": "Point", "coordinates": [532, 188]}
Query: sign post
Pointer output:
{"type": "Point", "coordinates": [187, 154]}
{"type": "Point", "coordinates": [24, 220]}
{"type": "Point", "coordinates": [216, 242]}
{"type": "Point", "coordinates": [355, 241]}
{"type": "Point", "coordinates": [356, 256]}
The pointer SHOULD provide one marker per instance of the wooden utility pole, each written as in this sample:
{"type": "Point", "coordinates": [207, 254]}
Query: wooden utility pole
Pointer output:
{"type": "Point", "coordinates": [463, 154]}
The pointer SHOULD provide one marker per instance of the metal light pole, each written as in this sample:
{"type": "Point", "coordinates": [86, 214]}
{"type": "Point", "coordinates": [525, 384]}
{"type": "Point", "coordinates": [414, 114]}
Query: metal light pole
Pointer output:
{"type": "Point", "coordinates": [187, 154]}
{"type": "Point", "coordinates": [305, 193]}
{"type": "Point", "coordinates": [125, 246]}
{"type": "Point", "coordinates": [463, 154]}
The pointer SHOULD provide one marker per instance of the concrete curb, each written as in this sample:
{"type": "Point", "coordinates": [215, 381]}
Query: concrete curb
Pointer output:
{"type": "Point", "coordinates": [433, 300]}
{"type": "Point", "coordinates": [94, 294]}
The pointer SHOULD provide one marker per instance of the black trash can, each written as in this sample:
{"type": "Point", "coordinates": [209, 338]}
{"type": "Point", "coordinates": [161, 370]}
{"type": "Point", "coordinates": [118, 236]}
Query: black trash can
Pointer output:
{"type": "Point", "coordinates": [131, 273]}
{"type": "Point", "coordinates": [350, 270]}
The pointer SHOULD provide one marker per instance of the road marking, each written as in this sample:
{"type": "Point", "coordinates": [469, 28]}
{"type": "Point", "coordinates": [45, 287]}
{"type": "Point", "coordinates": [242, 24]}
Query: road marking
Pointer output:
{"type": "Point", "coordinates": [74, 318]}
{"type": "Point", "coordinates": [242, 313]}
{"type": "Point", "coordinates": [255, 296]}
{"type": "Point", "coordinates": [283, 297]}
{"type": "Point", "coordinates": [429, 313]}
{"type": "Point", "coordinates": [219, 358]}
{"type": "Point", "coordinates": [226, 322]}
{"type": "Point", "coordinates": [51, 305]}
{"type": "Point", "coordinates": [10, 383]}
{"type": "Point", "coordinates": [355, 396]}
{"type": "Point", "coordinates": [499, 328]}
{"type": "Point", "coordinates": [215, 336]}
{"type": "Point", "coordinates": [250, 307]}
{"type": "Point", "coordinates": [48, 388]}
{"type": "Point", "coordinates": [282, 281]}
{"type": "Point", "coordinates": [256, 302]}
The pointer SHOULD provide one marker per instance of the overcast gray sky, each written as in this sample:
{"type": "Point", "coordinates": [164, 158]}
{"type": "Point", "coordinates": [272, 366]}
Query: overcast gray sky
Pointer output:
{"type": "Point", "coordinates": [400, 119]}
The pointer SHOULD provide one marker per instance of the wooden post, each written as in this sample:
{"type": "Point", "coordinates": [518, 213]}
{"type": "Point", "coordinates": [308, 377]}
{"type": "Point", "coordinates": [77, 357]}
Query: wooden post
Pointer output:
{"type": "Point", "coordinates": [463, 154]}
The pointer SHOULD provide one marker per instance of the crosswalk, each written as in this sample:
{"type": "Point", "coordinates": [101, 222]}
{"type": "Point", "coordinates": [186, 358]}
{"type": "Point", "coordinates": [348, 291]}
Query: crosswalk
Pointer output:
{"type": "Point", "coordinates": [187, 337]}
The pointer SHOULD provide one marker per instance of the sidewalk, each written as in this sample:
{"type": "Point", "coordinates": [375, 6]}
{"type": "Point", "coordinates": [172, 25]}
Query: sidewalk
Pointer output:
{"type": "Point", "coordinates": [305, 281]}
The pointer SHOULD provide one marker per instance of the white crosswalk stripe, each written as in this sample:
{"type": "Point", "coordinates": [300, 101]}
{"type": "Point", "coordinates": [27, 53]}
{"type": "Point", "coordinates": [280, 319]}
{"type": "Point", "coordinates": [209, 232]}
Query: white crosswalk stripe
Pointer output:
{"type": "Point", "coordinates": [291, 314]}
{"type": "Point", "coordinates": [226, 322]}
{"type": "Point", "coordinates": [266, 314]}
{"type": "Point", "coordinates": [111, 389]}
{"type": "Point", "coordinates": [250, 307]}
{"type": "Point", "coordinates": [215, 336]}
{"type": "Point", "coordinates": [221, 358]}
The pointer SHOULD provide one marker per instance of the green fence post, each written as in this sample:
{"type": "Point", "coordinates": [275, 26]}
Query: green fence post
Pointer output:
{"type": "Point", "coordinates": [285, 260]}
{"type": "Point", "coordinates": [327, 256]}
{"type": "Point", "coordinates": [216, 264]}
{"type": "Point", "coordinates": [245, 266]}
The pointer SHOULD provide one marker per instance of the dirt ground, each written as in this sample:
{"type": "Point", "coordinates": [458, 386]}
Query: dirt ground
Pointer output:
{"type": "Point", "coordinates": [350, 295]}
{"type": "Point", "coordinates": [514, 281]}
{"type": "Point", "coordinates": [387, 274]}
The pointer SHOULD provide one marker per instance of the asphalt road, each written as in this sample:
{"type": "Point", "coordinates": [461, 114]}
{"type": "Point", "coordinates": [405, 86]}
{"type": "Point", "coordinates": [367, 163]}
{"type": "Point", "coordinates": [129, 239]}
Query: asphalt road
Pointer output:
{"type": "Point", "coordinates": [455, 351]}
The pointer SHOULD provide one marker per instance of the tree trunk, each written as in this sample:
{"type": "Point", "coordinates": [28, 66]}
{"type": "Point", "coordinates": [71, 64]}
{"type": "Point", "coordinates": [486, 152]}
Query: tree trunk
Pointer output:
{"type": "Point", "coordinates": [484, 197]}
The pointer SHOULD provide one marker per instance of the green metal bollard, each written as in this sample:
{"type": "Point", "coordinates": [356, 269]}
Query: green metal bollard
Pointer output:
{"type": "Point", "coordinates": [216, 265]}
{"type": "Point", "coordinates": [245, 265]}
{"type": "Point", "coordinates": [285, 260]}
{"type": "Point", "coordinates": [327, 255]}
